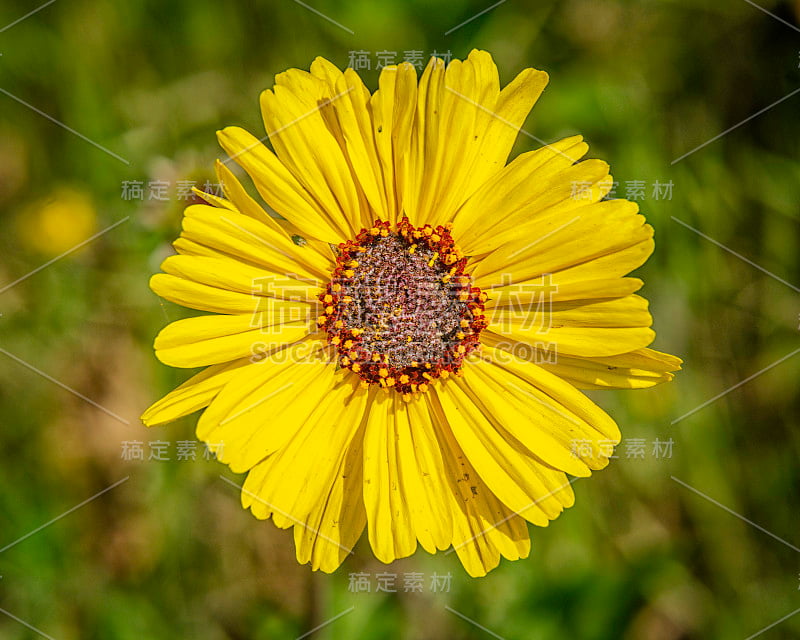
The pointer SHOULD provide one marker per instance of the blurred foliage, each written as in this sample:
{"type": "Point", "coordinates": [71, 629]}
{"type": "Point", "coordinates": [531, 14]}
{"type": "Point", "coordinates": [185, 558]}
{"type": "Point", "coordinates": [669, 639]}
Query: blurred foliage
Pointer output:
{"type": "Point", "coordinates": [169, 553]}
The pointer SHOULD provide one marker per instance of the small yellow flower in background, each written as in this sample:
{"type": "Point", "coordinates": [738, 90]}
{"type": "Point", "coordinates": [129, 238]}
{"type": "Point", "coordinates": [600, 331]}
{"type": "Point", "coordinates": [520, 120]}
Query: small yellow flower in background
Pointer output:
{"type": "Point", "coordinates": [58, 223]}
{"type": "Point", "coordinates": [404, 352]}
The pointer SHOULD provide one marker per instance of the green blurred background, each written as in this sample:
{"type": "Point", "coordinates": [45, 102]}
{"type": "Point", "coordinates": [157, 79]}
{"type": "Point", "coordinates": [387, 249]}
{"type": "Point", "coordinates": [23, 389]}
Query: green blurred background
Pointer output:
{"type": "Point", "coordinates": [169, 553]}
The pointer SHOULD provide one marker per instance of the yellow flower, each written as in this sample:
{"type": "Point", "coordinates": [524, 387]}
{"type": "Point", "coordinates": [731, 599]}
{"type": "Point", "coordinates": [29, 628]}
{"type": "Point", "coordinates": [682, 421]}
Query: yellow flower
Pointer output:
{"type": "Point", "coordinates": [404, 351]}
{"type": "Point", "coordinates": [58, 223]}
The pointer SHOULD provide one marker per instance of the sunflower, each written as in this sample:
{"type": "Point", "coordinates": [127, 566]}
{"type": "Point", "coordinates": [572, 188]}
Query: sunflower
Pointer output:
{"type": "Point", "coordinates": [402, 347]}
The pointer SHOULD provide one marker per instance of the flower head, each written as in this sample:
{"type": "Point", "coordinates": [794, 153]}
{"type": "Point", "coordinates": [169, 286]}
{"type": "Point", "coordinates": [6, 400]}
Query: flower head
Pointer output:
{"type": "Point", "coordinates": [402, 350]}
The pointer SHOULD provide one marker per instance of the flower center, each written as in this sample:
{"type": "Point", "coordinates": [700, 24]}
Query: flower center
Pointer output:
{"type": "Point", "coordinates": [399, 307]}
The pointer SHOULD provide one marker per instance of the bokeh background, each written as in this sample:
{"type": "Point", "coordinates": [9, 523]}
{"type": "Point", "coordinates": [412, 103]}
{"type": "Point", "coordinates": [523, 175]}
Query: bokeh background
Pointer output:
{"type": "Point", "coordinates": [168, 552]}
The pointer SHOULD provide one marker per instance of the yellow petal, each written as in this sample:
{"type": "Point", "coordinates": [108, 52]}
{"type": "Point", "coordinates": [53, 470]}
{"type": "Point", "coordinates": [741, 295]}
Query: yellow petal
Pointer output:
{"type": "Point", "coordinates": [469, 129]}
{"type": "Point", "coordinates": [341, 102]}
{"type": "Point", "coordinates": [337, 519]}
{"type": "Point", "coordinates": [547, 197]}
{"type": "Point", "coordinates": [635, 370]}
{"type": "Point", "coordinates": [307, 147]}
{"type": "Point", "coordinates": [483, 527]}
{"type": "Point", "coordinates": [513, 187]}
{"type": "Point", "coordinates": [534, 291]}
{"type": "Point", "coordinates": [314, 482]}
{"type": "Point", "coordinates": [485, 531]}
{"type": "Point", "coordinates": [187, 247]}
{"type": "Point", "coordinates": [540, 412]}
{"type": "Point", "coordinates": [353, 118]}
{"type": "Point", "coordinates": [286, 232]}
{"type": "Point", "coordinates": [194, 394]}
{"type": "Point", "coordinates": [421, 474]}
{"type": "Point", "coordinates": [252, 241]}
{"type": "Point", "coordinates": [303, 470]}
{"type": "Point", "coordinates": [237, 199]}
{"type": "Point", "coordinates": [512, 108]}
{"type": "Point", "coordinates": [424, 142]}
{"type": "Point", "coordinates": [204, 340]}
{"type": "Point", "coordinates": [202, 297]}
{"type": "Point", "coordinates": [389, 525]}
{"type": "Point", "coordinates": [538, 317]}
{"type": "Point", "coordinates": [591, 342]}
{"type": "Point", "coordinates": [242, 278]}
{"type": "Point", "coordinates": [337, 522]}
{"type": "Point", "coordinates": [520, 480]}
{"type": "Point", "coordinates": [279, 188]}
{"type": "Point", "coordinates": [393, 107]}
{"type": "Point", "coordinates": [556, 243]}
{"type": "Point", "coordinates": [510, 455]}
{"type": "Point", "coordinates": [612, 265]}
{"type": "Point", "coordinates": [589, 328]}
{"type": "Point", "coordinates": [256, 415]}
{"type": "Point", "coordinates": [466, 102]}
{"type": "Point", "coordinates": [326, 71]}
